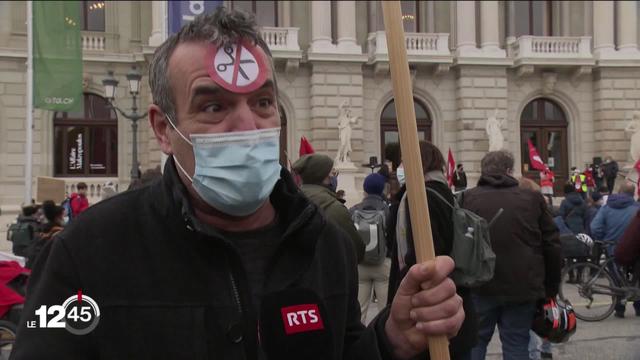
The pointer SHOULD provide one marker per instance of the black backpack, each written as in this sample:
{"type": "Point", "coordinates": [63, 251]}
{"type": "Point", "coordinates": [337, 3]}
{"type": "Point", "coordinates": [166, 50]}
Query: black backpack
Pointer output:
{"type": "Point", "coordinates": [22, 234]}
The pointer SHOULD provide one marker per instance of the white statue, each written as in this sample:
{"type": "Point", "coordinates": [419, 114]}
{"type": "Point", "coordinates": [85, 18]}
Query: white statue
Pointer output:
{"type": "Point", "coordinates": [494, 130]}
{"type": "Point", "coordinates": [345, 121]}
{"type": "Point", "coordinates": [634, 129]}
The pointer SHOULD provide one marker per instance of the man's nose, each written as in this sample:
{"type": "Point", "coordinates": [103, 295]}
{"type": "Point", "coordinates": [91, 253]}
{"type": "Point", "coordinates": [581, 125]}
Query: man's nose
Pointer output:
{"type": "Point", "coordinates": [242, 118]}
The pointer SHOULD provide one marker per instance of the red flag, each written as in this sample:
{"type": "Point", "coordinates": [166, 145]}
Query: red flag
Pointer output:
{"type": "Point", "coordinates": [534, 158]}
{"type": "Point", "coordinates": [451, 167]}
{"type": "Point", "coordinates": [305, 147]}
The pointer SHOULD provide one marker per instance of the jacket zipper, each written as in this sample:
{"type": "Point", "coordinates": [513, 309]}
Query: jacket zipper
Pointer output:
{"type": "Point", "coordinates": [236, 294]}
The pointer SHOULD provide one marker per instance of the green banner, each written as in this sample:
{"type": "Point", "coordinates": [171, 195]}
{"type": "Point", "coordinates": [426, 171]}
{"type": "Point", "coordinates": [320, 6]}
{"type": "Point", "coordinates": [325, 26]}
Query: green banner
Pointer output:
{"type": "Point", "coordinates": [57, 55]}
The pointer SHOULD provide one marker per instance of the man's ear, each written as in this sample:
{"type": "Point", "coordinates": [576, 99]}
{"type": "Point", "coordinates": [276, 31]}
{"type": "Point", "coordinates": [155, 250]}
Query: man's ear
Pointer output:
{"type": "Point", "coordinates": [161, 128]}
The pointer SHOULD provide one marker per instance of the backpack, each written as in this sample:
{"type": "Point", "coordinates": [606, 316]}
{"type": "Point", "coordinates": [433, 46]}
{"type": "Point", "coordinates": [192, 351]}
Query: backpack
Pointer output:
{"type": "Point", "coordinates": [22, 235]}
{"type": "Point", "coordinates": [471, 251]}
{"type": "Point", "coordinates": [66, 204]}
{"type": "Point", "coordinates": [370, 224]}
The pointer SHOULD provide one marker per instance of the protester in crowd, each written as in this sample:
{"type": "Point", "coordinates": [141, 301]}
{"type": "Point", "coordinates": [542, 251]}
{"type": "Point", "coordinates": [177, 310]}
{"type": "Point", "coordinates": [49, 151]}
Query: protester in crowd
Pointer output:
{"type": "Point", "coordinates": [108, 190]}
{"type": "Point", "coordinates": [547, 179]}
{"type": "Point", "coordinates": [393, 154]}
{"type": "Point", "coordinates": [24, 232]}
{"type": "Point", "coordinates": [579, 182]}
{"type": "Point", "coordinates": [610, 170]}
{"type": "Point", "coordinates": [197, 265]}
{"type": "Point", "coordinates": [79, 201]}
{"type": "Point", "coordinates": [440, 215]}
{"type": "Point", "coordinates": [597, 201]}
{"type": "Point", "coordinates": [604, 191]}
{"type": "Point", "coordinates": [611, 222]}
{"type": "Point", "coordinates": [538, 348]}
{"type": "Point", "coordinates": [589, 179]}
{"type": "Point", "coordinates": [316, 173]}
{"type": "Point", "coordinates": [573, 210]}
{"type": "Point", "coordinates": [459, 178]}
{"type": "Point", "coordinates": [373, 271]}
{"type": "Point", "coordinates": [528, 256]}
{"type": "Point", "coordinates": [598, 176]}
{"type": "Point", "coordinates": [54, 216]}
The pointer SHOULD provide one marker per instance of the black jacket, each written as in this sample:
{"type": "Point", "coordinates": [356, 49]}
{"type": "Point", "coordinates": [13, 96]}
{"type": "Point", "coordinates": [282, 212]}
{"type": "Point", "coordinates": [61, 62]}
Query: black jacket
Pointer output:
{"type": "Point", "coordinates": [524, 238]}
{"type": "Point", "coordinates": [442, 230]}
{"type": "Point", "coordinates": [573, 210]}
{"type": "Point", "coordinates": [169, 288]}
{"type": "Point", "coordinates": [460, 180]}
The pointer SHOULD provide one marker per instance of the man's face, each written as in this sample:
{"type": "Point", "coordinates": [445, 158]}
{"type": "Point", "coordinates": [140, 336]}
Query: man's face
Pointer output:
{"type": "Point", "coordinates": [82, 192]}
{"type": "Point", "coordinates": [204, 107]}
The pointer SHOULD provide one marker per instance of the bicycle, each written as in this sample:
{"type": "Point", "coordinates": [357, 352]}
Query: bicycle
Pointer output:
{"type": "Point", "coordinates": [597, 288]}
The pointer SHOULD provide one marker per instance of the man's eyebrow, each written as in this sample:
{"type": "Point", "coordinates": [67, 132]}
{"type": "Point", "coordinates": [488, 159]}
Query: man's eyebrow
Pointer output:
{"type": "Point", "coordinates": [201, 90]}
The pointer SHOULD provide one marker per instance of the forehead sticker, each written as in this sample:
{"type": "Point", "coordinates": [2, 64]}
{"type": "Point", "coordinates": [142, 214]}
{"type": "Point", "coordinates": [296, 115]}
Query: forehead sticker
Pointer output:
{"type": "Point", "coordinates": [239, 68]}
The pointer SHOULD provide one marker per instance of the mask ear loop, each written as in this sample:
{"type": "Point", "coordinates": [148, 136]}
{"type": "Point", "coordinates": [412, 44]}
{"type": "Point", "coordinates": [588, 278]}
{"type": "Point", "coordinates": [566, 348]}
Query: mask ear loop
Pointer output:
{"type": "Point", "coordinates": [172, 155]}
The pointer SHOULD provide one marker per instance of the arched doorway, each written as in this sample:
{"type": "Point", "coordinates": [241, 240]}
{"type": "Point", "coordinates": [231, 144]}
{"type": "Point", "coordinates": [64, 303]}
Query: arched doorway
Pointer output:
{"type": "Point", "coordinates": [389, 124]}
{"type": "Point", "coordinates": [284, 160]}
{"type": "Point", "coordinates": [545, 124]}
{"type": "Point", "coordinates": [86, 142]}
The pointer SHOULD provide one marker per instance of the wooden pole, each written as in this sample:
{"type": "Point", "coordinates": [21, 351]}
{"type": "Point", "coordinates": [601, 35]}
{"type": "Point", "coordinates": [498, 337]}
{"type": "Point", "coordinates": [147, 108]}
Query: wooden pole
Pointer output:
{"type": "Point", "coordinates": [411, 159]}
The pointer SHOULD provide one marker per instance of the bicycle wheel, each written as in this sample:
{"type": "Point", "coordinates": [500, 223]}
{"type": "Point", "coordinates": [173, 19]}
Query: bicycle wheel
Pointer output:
{"type": "Point", "coordinates": [7, 338]}
{"type": "Point", "coordinates": [589, 289]}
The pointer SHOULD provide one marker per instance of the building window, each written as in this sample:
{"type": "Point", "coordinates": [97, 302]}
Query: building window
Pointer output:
{"type": "Point", "coordinates": [266, 12]}
{"type": "Point", "coordinates": [544, 123]}
{"type": "Point", "coordinates": [92, 18]}
{"type": "Point", "coordinates": [410, 16]}
{"type": "Point", "coordinates": [389, 124]}
{"type": "Point", "coordinates": [86, 142]}
{"type": "Point", "coordinates": [534, 18]}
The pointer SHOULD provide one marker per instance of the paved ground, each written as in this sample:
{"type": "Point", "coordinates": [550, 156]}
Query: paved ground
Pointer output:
{"type": "Point", "coordinates": [610, 339]}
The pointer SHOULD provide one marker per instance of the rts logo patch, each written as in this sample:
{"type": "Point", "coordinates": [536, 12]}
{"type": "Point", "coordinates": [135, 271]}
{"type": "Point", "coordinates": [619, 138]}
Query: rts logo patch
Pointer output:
{"type": "Point", "coordinates": [301, 318]}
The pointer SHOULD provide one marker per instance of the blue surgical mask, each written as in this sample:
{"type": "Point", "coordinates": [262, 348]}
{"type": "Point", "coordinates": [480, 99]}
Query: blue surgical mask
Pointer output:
{"type": "Point", "coordinates": [235, 172]}
{"type": "Point", "coordinates": [400, 175]}
{"type": "Point", "coordinates": [333, 186]}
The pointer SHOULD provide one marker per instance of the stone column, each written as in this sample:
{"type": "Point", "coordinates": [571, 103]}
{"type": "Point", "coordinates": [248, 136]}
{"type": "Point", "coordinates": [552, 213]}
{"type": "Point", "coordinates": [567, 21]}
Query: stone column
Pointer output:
{"type": "Point", "coordinates": [285, 20]}
{"type": "Point", "coordinates": [466, 28]}
{"type": "Point", "coordinates": [431, 16]}
{"type": "Point", "coordinates": [347, 27]}
{"type": "Point", "coordinates": [321, 26]}
{"type": "Point", "coordinates": [489, 28]}
{"type": "Point", "coordinates": [157, 19]}
{"type": "Point", "coordinates": [602, 27]}
{"type": "Point", "coordinates": [627, 28]}
{"type": "Point", "coordinates": [565, 13]}
{"type": "Point", "coordinates": [511, 21]}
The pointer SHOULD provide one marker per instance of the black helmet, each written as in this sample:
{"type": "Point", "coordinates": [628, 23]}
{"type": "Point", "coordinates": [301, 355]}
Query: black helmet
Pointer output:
{"type": "Point", "coordinates": [555, 320]}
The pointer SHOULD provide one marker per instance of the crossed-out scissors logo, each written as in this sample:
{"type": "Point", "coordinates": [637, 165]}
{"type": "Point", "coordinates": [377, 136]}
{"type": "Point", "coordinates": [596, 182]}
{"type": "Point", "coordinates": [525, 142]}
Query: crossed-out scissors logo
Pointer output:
{"type": "Point", "coordinates": [79, 314]}
{"type": "Point", "coordinates": [238, 67]}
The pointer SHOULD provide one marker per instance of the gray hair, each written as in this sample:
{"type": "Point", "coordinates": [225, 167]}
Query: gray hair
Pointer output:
{"type": "Point", "coordinates": [497, 163]}
{"type": "Point", "coordinates": [220, 28]}
{"type": "Point", "coordinates": [627, 188]}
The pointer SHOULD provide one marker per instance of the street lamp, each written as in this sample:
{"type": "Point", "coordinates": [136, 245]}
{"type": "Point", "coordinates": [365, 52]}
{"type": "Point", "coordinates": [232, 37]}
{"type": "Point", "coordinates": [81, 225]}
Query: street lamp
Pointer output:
{"type": "Point", "coordinates": [110, 84]}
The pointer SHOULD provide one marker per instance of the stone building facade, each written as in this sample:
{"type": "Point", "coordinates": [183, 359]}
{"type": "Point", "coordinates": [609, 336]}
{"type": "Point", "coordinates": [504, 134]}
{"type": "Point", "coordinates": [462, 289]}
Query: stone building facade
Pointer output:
{"type": "Point", "coordinates": [565, 74]}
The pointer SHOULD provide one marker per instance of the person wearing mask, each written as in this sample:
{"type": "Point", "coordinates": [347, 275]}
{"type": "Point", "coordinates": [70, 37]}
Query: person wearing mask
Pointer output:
{"type": "Point", "coordinates": [459, 178]}
{"type": "Point", "coordinates": [612, 221]}
{"type": "Point", "coordinates": [573, 210]}
{"type": "Point", "coordinates": [528, 256]}
{"type": "Point", "coordinates": [441, 217]}
{"type": "Point", "coordinates": [226, 243]}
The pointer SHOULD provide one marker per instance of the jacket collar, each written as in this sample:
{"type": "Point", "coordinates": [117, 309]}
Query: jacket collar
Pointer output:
{"type": "Point", "coordinates": [292, 207]}
{"type": "Point", "coordinates": [499, 181]}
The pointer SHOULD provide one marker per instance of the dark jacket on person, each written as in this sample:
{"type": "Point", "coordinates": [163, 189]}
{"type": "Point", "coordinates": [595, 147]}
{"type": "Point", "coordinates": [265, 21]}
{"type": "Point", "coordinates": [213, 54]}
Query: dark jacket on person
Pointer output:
{"type": "Point", "coordinates": [524, 238]}
{"type": "Point", "coordinates": [613, 218]}
{"type": "Point", "coordinates": [169, 287]}
{"type": "Point", "coordinates": [48, 232]}
{"type": "Point", "coordinates": [573, 210]}
{"type": "Point", "coordinates": [628, 249]}
{"type": "Point", "coordinates": [592, 211]}
{"type": "Point", "coordinates": [336, 212]}
{"type": "Point", "coordinates": [441, 218]}
{"type": "Point", "coordinates": [610, 170]}
{"type": "Point", "coordinates": [459, 180]}
{"type": "Point", "coordinates": [375, 202]}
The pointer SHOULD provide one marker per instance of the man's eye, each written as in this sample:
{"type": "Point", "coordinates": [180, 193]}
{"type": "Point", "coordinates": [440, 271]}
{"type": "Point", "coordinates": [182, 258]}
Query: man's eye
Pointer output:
{"type": "Point", "coordinates": [265, 102]}
{"type": "Point", "coordinates": [213, 108]}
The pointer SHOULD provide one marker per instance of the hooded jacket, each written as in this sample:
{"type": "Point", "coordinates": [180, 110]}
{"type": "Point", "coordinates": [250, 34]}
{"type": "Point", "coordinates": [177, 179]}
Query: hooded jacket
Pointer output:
{"type": "Point", "coordinates": [169, 287]}
{"type": "Point", "coordinates": [524, 238]}
{"type": "Point", "coordinates": [612, 219]}
{"type": "Point", "coordinates": [573, 210]}
{"type": "Point", "coordinates": [336, 212]}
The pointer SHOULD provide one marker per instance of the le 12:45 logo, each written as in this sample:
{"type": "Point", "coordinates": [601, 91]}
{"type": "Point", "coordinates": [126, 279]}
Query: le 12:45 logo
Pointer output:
{"type": "Point", "coordinates": [79, 314]}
